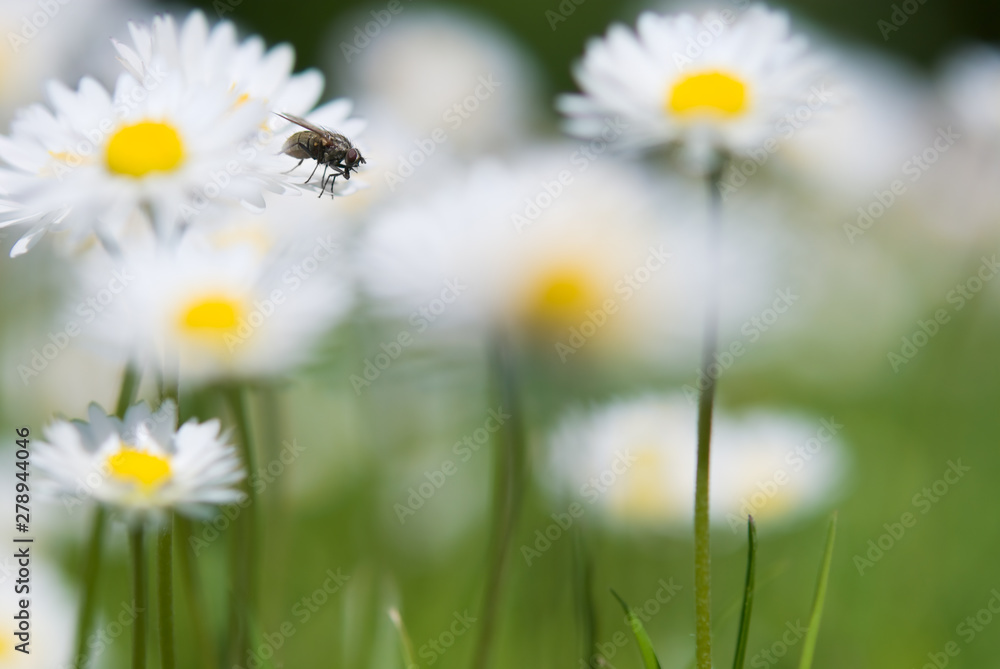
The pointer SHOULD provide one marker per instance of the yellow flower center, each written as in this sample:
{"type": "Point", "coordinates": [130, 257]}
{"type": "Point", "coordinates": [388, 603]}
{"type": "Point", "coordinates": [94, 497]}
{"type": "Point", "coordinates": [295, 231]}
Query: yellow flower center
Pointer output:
{"type": "Point", "coordinates": [711, 93]}
{"type": "Point", "coordinates": [215, 314]}
{"type": "Point", "coordinates": [149, 146]}
{"type": "Point", "coordinates": [140, 467]}
{"type": "Point", "coordinates": [645, 492]}
{"type": "Point", "coordinates": [562, 297]}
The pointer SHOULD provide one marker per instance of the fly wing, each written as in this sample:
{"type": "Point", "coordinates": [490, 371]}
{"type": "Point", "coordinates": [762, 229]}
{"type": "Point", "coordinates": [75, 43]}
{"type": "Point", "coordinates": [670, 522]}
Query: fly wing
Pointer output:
{"type": "Point", "coordinates": [295, 146]}
{"type": "Point", "coordinates": [298, 120]}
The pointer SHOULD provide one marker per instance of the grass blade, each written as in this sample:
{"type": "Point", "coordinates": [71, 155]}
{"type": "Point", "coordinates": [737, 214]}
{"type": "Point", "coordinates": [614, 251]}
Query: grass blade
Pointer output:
{"type": "Point", "coordinates": [809, 647]}
{"type": "Point", "coordinates": [404, 639]}
{"type": "Point", "coordinates": [649, 660]}
{"type": "Point", "coordinates": [741, 640]}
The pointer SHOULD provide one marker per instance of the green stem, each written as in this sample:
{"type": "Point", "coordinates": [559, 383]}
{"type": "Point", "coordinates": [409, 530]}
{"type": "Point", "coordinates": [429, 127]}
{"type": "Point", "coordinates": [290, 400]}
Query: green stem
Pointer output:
{"type": "Point", "coordinates": [139, 595]}
{"type": "Point", "coordinates": [165, 594]}
{"type": "Point", "coordinates": [92, 563]}
{"type": "Point", "coordinates": [508, 492]}
{"type": "Point", "coordinates": [130, 384]}
{"type": "Point", "coordinates": [706, 403]}
{"type": "Point", "coordinates": [195, 603]}
{"type": "Point", "coordinates": [91, 569]}
{"type": "Point", "coordinates": [244, 555]}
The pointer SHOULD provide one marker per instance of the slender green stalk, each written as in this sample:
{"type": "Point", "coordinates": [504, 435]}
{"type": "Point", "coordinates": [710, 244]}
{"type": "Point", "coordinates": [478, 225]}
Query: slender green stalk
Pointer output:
{"type": "Point", "coordinates": [706, 403]}
{"type": "Point", "coordinates": [91, 569]}
{"type": "Point", "coordinates": [92, 563]}
{"type": "Point", "coordinates": [165, 594]}
{"type": "Point", "coordinates": [244, 555]}
{"type": "Point", "coordinates": [744, 635]}
{"type": "Point", "coordinates": [195, 603]}
{"type": "Point", "coordinates": [809, 645]}
{"type": "Point", "coordinates": [406, 645]}
{"type": "Point", "coordinates": [584, 568]}
{"type": "Point", "coordinates": [130, 384]}
{"type": "Point", "coordinates": [508, 492]}
{"type": "Point", "coordinates": [139, 597]}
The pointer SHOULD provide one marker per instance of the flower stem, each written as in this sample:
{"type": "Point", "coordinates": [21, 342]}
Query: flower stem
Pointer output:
{"type": "Point", "coordinates": [91, 569]}
{"type": "Point", "coordinates": [92, 563]}
{"type": "Point", "coordinates": [140, 599]}
{"type": "Point", "coordinates": [244, 555]}
{"type": "Point", "coordinates": [508, 491]}
{"type": "Point", "coordinates": [165, 593]}
{"type": "Point", "coordinates": [706, 403]}
{"type": "Point", "coordinates": [195, 602]}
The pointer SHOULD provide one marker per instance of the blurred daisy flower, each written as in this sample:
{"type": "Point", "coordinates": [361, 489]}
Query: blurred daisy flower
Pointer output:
{"type": "Point", "coordinates": [441, 73]}
{"type": "Point", "coordinates": [230, 302]}
{"type": "Point", "coordinates": [971, 89]}
{"type": "Point", "coordinates": [495, 249]}
{"type": "Point", "coordinates": [143, 465]}
{"type": "Point", "coordinates": [714, 84]}
{"type": "Point", "coordinates": [575, 255]}
{"type": "Point", "coordinates": [635, 460]}
{"type": "Point", "coordinates": [171, 142]}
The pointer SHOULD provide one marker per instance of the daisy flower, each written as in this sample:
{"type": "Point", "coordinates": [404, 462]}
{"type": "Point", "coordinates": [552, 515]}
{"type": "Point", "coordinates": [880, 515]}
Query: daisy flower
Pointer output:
{"type": "Point", "coordinates": [635, 461]}
{"type": "Point", "coordinates": [714, 84]}
{"type": "Point", "coordinates": [171, 142]}
{"type": "Point", "coordinates": [229, 302]}
{"type": "Point", "coordinates": [142, 465]}
{"type": "Point", "coordinates": [215, 57]}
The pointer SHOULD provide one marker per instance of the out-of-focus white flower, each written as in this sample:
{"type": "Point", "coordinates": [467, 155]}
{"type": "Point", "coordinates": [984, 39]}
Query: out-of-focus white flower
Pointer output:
{"type": "Point", "coordinates": [44, 40]}
{"type": "Point", "coordinates": [233, 300]}
{"type": "Point", "coordinates": [958, 198]}
{"type": "Point", "coordinates": [439, 71]}
{"type": "Point", "coordinates": [142, 465]}
{"type": "Point", "coordinates": [52, 612]}
{"type": "Point", "coordinates": [576, 258]}
{"type": "Point", "coordinates": [494, 248]}
{"type": "Point", "coordinates": [635, 461]}
{"type": "Point", "coordinates": [970, 83]}
{"type": "Point", "coordinates": [197, 129]}
{"type": "Point", "coordinates": [715, 83]}
{"type": "Point", "coordinates": [852, 135]}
